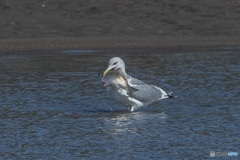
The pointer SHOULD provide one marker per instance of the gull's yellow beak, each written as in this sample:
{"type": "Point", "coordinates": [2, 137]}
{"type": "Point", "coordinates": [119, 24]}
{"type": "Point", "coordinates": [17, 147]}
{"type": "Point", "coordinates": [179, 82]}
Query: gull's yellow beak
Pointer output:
{"type": "Point", "coordinates": [105, 72]}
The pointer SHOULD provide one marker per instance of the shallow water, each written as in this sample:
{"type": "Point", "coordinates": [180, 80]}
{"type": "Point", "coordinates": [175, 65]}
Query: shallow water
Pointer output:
{"type": "Point", "coordinates": [54, 106]}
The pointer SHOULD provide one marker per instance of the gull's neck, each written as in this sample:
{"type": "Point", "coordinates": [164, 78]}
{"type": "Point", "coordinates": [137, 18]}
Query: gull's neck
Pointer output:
{"type": "Point", "coordinates": [123, 73]}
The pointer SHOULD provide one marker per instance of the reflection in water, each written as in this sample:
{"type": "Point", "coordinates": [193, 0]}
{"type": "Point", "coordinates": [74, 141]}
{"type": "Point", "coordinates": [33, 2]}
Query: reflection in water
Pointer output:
{"type": "Point", "coordinates": [129, 122]}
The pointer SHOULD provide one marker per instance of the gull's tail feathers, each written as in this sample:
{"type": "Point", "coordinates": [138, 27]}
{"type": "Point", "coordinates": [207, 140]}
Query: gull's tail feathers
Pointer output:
{"type": "Point", "coordinates": [170, 95]}
{"type": "Point", "coordinates": [164, 94]}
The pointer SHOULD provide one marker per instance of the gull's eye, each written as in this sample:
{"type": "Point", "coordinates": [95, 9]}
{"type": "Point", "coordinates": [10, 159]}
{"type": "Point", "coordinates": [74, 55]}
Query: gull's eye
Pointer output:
{"type": "Point", "coordinates": [115, 63]}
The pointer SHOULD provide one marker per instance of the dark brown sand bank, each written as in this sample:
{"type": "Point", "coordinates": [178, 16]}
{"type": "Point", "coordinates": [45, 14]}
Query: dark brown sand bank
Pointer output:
{"type": "Point", "coordinates": [92, 24]}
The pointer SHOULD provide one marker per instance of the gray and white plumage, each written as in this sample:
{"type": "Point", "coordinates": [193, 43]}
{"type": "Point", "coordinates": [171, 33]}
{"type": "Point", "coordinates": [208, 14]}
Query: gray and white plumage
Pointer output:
{"type": "Point", "coordinates": [145, 94]}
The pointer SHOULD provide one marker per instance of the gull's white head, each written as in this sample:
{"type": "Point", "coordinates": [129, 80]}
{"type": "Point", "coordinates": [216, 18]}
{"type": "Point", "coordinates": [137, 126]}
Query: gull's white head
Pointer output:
{"type": "Point", "coordinates": [115, 63]}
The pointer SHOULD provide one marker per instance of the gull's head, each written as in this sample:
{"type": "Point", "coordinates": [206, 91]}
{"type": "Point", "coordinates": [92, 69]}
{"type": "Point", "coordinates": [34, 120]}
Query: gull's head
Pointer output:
{"type": "Point", "coordinates": [115, 63]}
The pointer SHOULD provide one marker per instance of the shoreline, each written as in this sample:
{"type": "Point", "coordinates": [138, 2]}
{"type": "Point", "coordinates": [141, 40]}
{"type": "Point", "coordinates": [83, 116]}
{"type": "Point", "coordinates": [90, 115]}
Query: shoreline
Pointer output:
{"type": "Point", "coordinates": [168, 25]}
{"type": "Point", "coordinates": [167, 43]}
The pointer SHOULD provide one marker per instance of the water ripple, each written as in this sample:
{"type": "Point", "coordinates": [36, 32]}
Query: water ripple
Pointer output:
{"type": "Point", "coordinates": [55, 107]}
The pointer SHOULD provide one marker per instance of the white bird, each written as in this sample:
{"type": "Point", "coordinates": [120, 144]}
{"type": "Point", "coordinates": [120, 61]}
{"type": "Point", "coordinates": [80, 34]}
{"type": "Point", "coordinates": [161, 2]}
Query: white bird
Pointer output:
{"type": "Point", "coordinates": [144, 94]}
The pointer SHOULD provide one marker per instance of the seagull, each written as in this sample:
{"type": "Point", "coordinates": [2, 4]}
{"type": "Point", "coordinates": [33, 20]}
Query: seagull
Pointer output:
{"type": "Point", "coordinates": [144, 94]}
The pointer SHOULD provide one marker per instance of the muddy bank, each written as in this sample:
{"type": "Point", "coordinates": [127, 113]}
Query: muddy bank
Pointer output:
{"type": "Point", "coordinates": [56, 25]}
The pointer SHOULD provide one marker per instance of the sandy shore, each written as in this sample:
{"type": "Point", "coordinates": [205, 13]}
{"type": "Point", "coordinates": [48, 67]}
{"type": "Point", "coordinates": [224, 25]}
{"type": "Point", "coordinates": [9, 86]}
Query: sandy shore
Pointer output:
{"type": "Point", "coordinates": [90, 24]}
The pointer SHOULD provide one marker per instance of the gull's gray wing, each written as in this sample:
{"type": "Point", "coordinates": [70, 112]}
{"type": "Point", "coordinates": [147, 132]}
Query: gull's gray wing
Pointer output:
{"type": "Point", "coordinates": [134, 81]}
{"type": "Point", "coordinates": [146, 93]}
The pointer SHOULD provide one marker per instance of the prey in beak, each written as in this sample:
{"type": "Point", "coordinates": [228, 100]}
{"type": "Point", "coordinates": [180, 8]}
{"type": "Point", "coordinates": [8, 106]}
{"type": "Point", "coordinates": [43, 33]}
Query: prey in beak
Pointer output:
{"type": "Point", "coordinates": [114, 78]}
{"type": "Point", "coordinates": [104, 73]}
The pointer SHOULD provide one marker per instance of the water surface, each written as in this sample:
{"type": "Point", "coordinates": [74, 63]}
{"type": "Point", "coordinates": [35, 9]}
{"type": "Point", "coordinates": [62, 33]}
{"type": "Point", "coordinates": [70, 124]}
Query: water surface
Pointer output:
{"type": "Point", "coordinates": [54, 106]}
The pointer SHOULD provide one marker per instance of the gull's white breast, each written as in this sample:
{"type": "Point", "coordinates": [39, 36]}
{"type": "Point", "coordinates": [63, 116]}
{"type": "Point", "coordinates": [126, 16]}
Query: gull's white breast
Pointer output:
{"type": "Point", "coordinates": [122, 97]}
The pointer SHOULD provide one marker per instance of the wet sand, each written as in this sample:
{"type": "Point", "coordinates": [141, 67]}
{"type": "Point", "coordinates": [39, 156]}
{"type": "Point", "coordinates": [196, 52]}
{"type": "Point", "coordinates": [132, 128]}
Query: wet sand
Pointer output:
{"type": "Point", "coordinates": [62, 25]}
{"type": "Point", "coordinates": [167, 44]}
